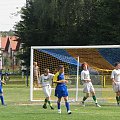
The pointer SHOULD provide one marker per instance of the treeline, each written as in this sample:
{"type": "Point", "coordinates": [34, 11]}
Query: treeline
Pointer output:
{"type": "Point", "coordinates": [69, 22]}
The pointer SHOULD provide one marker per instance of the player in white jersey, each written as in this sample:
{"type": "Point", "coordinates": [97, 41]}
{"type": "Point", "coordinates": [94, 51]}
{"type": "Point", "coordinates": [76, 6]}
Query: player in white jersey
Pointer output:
{"type": "Point", "coordinates": [88, 87]}
{"type": "Point", "coordinates": [115, 76]}
{"type": "Point", "coordinates": [46, 81]}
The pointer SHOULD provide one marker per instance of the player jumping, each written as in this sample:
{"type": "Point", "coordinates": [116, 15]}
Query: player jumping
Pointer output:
{"type": "Point", "coordinates": [46, 81]}
{"type": "Point", "coordinates": [115, 76]}
{"type": "Point", "coordinates": [61, 89]}
{"type": "Point", "coordinates": [88, 87]}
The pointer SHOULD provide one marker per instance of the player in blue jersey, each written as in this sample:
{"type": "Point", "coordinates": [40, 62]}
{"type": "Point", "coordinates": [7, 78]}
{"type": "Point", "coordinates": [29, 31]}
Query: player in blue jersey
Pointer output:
{"type": "Point", "coordinates": [1, 90]}
{"type": "Point", "coordinates": [61, 89]}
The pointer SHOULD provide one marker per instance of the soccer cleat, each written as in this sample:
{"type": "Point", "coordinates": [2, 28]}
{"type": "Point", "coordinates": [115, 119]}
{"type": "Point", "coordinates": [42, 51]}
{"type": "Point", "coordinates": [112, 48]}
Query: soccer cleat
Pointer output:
{"type": "Point", "coordinates": [44, 106]}
{"type": "Point", "coordinates": [51, 108]}
{"type": "Point", "coordinates": [69, 112]}
{"type": "Point", "coordinates": [4, 105]}
{"type": "Point", "coordinates": [118, 104]}
{"type": "Point", "coordinates": [97, 105]}
{"type": "Point", "coordinates": [82, 103]}
{"type": "Point", "coordinates": [59, 111]}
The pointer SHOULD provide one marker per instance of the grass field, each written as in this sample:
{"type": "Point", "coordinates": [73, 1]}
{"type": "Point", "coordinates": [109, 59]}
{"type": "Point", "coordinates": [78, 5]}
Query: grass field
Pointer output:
{"type": "Point", "coordinates": [20, 108]}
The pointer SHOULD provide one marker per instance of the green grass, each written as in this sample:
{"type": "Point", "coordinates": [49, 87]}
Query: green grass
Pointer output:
{"type": "Point", "coordinates": [20, 108]}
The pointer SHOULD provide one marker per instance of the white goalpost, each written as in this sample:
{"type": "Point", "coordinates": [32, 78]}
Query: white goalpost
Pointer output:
{"type": "Point", "coordinates": [71, 57]}
{"type": "Point", "coordinates": [31, 72]}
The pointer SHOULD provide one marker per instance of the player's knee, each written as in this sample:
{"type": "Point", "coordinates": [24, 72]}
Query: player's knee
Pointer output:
{"type": "Point", "coordinates": [65, 99]}
{"type": "Point", "coordinates": [87, 95]}
{"type": "Point", "coordinates": [59, 100]}
{"type": "Point", "coordinates": [93, 93]}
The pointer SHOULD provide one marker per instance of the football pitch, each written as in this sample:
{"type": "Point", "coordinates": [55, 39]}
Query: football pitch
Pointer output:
{"type": "Point", "coordinates": [20, 108]}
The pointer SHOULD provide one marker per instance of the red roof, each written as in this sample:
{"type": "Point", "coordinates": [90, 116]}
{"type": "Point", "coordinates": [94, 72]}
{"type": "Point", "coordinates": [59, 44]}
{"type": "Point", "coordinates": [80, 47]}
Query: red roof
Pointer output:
{"type": "Point", "coordinates": [13, 42]}
{"type": "Point", "coordinates": [4, 41]}
{"type": "Point", "coordinates": [10, 41]}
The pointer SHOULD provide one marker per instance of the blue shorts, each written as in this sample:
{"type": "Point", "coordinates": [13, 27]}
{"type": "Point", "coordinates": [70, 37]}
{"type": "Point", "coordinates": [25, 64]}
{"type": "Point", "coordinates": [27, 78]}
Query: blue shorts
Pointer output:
{"type": "Point", "coordinates": [61, 91]}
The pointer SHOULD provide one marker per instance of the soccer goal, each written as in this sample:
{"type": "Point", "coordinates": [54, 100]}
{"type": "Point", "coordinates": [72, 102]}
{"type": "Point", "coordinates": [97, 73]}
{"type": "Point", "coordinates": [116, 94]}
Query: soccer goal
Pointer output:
{"type": "Point", "coordinates": [99, 58]}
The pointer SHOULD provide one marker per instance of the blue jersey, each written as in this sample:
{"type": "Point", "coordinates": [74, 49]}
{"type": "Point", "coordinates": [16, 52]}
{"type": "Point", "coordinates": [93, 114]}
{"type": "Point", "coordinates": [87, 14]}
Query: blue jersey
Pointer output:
{"type": "Point", "coordinates": [61, 77]}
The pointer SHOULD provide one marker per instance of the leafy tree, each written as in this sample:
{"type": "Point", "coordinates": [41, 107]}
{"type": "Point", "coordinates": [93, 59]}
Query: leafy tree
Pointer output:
{"type": "Point", "coordinates": [68, 22]}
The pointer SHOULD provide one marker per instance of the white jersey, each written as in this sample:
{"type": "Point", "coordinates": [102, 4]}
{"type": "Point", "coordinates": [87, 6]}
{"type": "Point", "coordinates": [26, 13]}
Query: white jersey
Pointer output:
{"type": "Point", "coordinates": [85, 75]}
{"type": "Point", "coordinates": [88, 87]}
{"type": "Point", "coordinates": [46, 80]}
{"type": "Point", "coordinates": [116, 75]}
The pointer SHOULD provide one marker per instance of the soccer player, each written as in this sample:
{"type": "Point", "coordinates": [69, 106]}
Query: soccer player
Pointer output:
{"type": "Point", "coordinates": [61, 89]}
{"type": "Point", "coordinates": [88, 87]}
{"type": "Point", "coordinates": [36, 74]}
{"type": "Point", "coordinates": [1, 90]}
{"type": "Point", "coordinates": [46, 81]}
{"type": "Point", "coordinates": [115, 76]}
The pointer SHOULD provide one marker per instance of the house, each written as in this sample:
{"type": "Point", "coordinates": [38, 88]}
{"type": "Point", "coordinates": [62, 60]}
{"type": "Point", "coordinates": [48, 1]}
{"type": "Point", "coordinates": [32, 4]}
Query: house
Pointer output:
{"type": "Point", "coordinates": [9, 45]}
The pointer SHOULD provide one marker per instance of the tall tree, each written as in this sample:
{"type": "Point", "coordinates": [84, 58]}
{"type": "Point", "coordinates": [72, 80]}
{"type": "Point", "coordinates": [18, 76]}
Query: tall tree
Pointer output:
{"type": "Point", "coordinates": [68, 22]}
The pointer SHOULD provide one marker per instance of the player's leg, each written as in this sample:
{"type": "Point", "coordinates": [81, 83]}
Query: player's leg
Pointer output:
{"type": "Point", "coordinates": [48, 98]}
{"type": "Point", "coordinates": [67, 104]}
{"type": "Point", "coordinates": [118, 93]}
{"type": "Point", "coordinates": [116, 90]}
{"type": "Point", "coordinates": [117, 97]}
{"type": "Point", "coordinates": [2, 97]}
{"type": "Point", "coordinates": [35, 81]}
{"type": "Point", "coordinates": [59, 105]}
{"type": "Point", "coordinates": [86, 90]}
{"type": "Point", "coordinates": [45, 90]}
{"type": "Point", "coordinates": [85, 98]}
{"type": "Point", "coordinates": [95, 99]}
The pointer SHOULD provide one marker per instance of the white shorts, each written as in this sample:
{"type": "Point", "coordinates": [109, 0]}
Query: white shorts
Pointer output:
{"type": "Point", "coordinates": [47, 90]}
{"type": "Point", "coordinates": [116, 87]}
{"type": "Point", "coordinates": [88, 88]}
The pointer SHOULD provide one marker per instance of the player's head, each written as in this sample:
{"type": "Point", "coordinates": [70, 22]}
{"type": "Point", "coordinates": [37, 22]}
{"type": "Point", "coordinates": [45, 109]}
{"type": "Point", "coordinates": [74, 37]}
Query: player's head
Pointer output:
{"type": "Point", "coordinates": [84, 66]}
{"type": "Point", "coordinates": [61, 68]}
{"type": "Point", "coordinates": [117, 65]}
{"type": "Point", "coordinates": [46, 71]}
{"type": "Point", "coordinates": [35, 63]}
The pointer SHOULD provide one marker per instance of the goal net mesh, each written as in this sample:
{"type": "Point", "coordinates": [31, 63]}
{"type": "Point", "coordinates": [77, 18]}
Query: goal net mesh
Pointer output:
{"type": "Point", "coordinates": [100, 61]}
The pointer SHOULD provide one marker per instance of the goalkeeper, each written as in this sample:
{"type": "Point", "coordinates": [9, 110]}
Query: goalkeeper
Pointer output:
{"type": "Point", "coordinates": [46, 81]}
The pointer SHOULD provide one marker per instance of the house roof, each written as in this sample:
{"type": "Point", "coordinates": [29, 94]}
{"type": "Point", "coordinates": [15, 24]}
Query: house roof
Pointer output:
{"type": "Point", "coordinates": [10, 41]}
{"type": "Point", "coordinates": [14, 42]}
{"type": "Point", "coordinates": [4, 42]}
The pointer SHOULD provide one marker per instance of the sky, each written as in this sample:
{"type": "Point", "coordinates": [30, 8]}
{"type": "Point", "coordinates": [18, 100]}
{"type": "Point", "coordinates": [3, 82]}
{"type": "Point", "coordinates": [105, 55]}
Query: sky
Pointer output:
{"type": "Point", "coordinates": [8, 10]}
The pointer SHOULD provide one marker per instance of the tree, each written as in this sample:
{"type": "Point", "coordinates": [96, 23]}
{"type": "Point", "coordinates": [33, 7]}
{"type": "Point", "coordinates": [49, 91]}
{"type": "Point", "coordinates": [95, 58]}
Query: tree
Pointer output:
{"type": "Point", "coordinates": [68, 22]}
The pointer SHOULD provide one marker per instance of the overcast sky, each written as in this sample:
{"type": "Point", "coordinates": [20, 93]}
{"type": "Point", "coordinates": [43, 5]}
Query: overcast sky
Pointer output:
{"type": "Point", "coordinates": [7, 10]}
